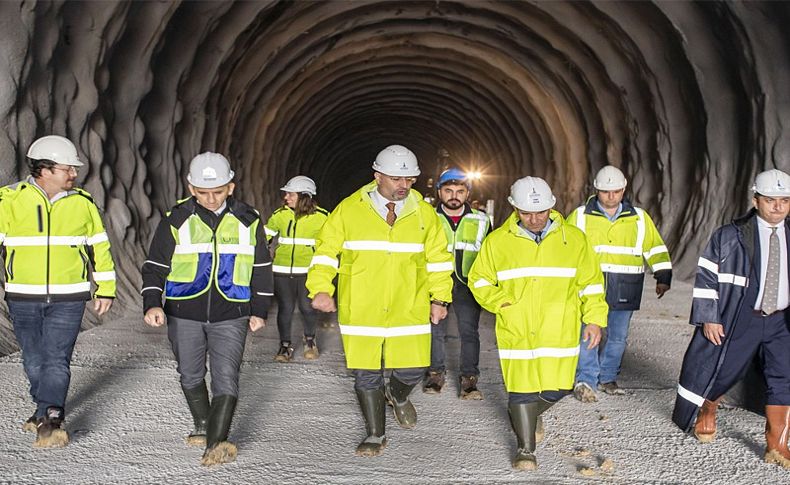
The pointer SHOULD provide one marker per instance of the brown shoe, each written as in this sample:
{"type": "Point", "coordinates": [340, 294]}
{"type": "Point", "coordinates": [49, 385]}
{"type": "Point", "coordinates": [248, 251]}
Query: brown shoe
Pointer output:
{"type": "Point", "coordinates": [285, 354]}
{"type": "Point", "coordinates": [705, 427]}
{"type": "Point", "coordinates": [469, 389]}
{"type": "Point", "coordinates": [777, 429]}
{"type": "Point", "coordinates": [433, 382]}
{"type": "Point", "coordinates": [310, 348]}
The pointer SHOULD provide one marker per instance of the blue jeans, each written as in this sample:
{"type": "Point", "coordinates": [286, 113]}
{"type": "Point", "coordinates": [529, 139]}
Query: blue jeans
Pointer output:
{"type": "Point", "coordinates": [46, 333]}
{"type": "Point", "coordinates": [467, 313]}
{"type": "Point", "coordinates": [602, 364]}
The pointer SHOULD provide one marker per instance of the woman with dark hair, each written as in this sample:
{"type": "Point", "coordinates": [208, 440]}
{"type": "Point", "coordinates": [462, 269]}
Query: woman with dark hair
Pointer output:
{"type": "Point", "coordinates": [296, 225]}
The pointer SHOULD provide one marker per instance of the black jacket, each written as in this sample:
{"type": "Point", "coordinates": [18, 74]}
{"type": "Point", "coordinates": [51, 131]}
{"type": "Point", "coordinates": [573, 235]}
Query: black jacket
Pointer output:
{"type": "Point", "coordinates": [210, 306]}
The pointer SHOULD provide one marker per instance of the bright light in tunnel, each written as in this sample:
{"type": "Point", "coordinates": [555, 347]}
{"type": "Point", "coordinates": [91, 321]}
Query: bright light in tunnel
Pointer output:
{"type": "Point", "coordinates": [474, 174]}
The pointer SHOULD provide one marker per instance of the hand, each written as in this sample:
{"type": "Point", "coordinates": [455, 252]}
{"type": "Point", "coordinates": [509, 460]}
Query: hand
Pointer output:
{"type": "Point", "coordinates": [324, 303]}
{"type": "Point", "coordinates": [102, 305]}
{"type": "Point", "coordinates": [438, 313]}
{"type": "Point", "coordinates": [661, 288]}
{"type": "Point", "coordinates": [713, 332]}
{"type": "Point", "coordinates": [257, 323]}
{"type": "Point", "coordinates": [155, 317]}
{"type": "Point", "coordinates": [592, 334]}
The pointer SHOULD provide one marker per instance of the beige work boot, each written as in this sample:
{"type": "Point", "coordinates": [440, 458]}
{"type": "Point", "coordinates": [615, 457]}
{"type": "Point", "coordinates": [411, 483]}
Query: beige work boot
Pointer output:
{"type": "Point", "coordinates": [584, 393]}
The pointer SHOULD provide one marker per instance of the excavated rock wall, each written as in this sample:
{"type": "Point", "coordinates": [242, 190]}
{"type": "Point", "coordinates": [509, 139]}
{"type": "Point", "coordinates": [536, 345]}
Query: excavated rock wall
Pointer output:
{"type": "Point", "coordinates": [690, 99]}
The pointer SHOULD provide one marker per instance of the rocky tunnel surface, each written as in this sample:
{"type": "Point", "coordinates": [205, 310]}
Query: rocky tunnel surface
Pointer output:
{"type": "Point", "coordinates": [689, 99]}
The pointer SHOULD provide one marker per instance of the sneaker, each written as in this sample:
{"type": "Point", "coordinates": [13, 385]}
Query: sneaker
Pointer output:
{"type": "Point", "coordinates": [469, 389]}
{"type": "Point", "coordinates": [433, 382]}
{"type": "Point", "coordinates": [611, 388]}
{"type": "Point", "coordinates": [310, 348]}
{"type": "Point", "coordinates": [584, 393]}
{"type": "Point", "coordinates": [285, 354]}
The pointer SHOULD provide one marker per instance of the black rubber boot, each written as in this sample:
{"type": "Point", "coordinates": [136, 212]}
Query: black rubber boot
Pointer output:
{"type": "Point", "coordinates": [397, 394]}
{"type": "Point", "coordinates": [218, 449]}
{"type": "Point", "coordinates": [373, 409]}
{"type": "Point", "coordinates": [524, 419]}
{"type": "Point", "coordinates": [197, 400]}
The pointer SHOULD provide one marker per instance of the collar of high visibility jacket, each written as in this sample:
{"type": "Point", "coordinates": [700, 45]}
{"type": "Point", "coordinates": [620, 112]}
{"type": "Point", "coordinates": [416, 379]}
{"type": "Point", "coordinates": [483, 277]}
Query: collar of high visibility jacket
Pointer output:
{"type": "Point", "coordinates": [591, 207]}
{"type": "Point", "coordinates": [410, 205]}
{"type": "Point", "coordinates": [512, 224]}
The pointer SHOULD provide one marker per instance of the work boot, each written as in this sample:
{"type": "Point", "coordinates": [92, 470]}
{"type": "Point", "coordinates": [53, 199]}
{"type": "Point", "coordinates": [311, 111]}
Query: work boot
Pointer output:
{"type": "Point", "coordinates": [584, 393]}
{"type": "Point", "coordinates": [611, 388]}
{"type": "Point", "coordinates": [777, 429]}
{"type": "Point", "coordinates": [310, 348]}
{"type": "Point", "coordinates": [371, 401]}
{"type": "Point", "coordinates": [197, 400]}
{"type": "Point", "coordinates": [705, 427]}
{"type": "Point", "coordinates": [218, 449]}
{"type": "Point", "coordinates": [433, 382]}
{"type": "Point", "coordinates": [285, 354]}
{"type": "Point", "coordinates": [524, 420]}
{"type": "Point", "coordinates": [48, 432]}
{"type": "Point", "coordinates": [397, 394]}
{"type": "Point", "coordinates": [469, 389]}
{"type": "Point", "coordinates": [31, 425]}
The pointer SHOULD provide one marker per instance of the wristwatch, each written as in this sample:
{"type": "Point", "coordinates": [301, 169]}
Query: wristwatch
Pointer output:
{"type": "Point", "coordinates": [440, 302]}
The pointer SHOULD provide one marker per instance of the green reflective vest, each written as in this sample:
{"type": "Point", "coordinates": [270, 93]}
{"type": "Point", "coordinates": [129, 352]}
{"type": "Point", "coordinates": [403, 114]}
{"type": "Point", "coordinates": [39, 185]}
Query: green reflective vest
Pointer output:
{"type": "Point", "coordinates": [466, 240]}
{"type": "Point", "coordinates": [296, 239]}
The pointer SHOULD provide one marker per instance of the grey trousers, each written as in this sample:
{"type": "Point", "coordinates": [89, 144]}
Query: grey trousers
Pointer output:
{"type": "Point", "coordinates": [223, 341]}
{"type": "Point", "coordinates": [367, 380]}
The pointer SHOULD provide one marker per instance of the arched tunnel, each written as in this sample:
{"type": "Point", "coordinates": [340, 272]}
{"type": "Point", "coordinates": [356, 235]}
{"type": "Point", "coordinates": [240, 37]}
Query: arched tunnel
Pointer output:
{"type": "Point", "coordinates": [689, 99]}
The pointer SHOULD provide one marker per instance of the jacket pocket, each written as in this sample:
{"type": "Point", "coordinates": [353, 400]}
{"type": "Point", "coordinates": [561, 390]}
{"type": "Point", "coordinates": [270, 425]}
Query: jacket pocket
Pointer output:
{"type": "Point", "coordinates": [10, 267]}
{"type": "Point", "coordinates": [624, 291]}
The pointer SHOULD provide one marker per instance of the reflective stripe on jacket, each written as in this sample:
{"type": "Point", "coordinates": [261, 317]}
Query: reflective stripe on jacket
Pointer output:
{"type": "Point", "coordinates": [296, 238]}
{"type": "Point", "coordinates": [54, 249]}
{"type": "Point", "coordinates": [465, 241]}
{"type": "Point", "coordinates": [387, 277]}
{"type": "Point", "coordinates": [551, 288]}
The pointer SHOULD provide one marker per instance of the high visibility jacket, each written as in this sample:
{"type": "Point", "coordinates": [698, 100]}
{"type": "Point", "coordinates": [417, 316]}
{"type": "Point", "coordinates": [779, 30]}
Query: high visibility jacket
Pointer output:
{"type": "Point", "coordinates": [52, 248]}
{"type": "Point", "coordinates": [465, 240]}
{"type": "Point", "coordinates": [296, 241]}
{"type": "Point", "coordinates": [622, 247]}
{"type": "Point", "coordinates": [552, 287]}
{"type": "Point", "coordinates": [387, 277]}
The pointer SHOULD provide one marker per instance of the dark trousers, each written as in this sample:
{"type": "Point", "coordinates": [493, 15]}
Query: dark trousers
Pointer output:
{"type": "Point", "coordinates": [528, 397]}
{"type": "Point", "coordinates": [46, 333]}
{"type": "Point", "coordinates": [290, 290]}
{"type": "Point", "coordinates": [224, 343]}
{"type": "Point", "coordinates": [368, 380]}
{"type": "Point", "coordinates": [769, 337]}
{"type": "Point", "coordinates": [467, 313]}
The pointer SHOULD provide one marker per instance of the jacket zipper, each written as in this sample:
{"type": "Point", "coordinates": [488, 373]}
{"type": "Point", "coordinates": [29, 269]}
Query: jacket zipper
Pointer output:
{"type": "Point", "coordinates": [40, 220]}
{"type": "Point", "coordinates": [49, 219]}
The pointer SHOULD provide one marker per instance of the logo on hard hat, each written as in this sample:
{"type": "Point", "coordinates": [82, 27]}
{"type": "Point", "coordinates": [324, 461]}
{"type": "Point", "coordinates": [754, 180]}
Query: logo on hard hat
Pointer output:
{"type": "Point", "coordinates": [209, 174]}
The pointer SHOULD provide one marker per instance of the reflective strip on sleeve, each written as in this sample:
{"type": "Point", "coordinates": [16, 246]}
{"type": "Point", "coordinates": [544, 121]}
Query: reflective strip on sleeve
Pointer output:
{"type": "Point", "coordinates": [436, 267]}
{"type": "Point", "coordinates": [193, 248]}
{"type": "Point", "coordinates": [662, 266]}
{"type": "Point", "coordinates": [733, 279]}
{"type": "Point", "coordinates": [530, 354]}
{"type": "Point", "coordinates": [656, 250]}
{"type": "Point", "coordinates": [98, 238]}
{"type": "Point", "coordinates": [325, 260]}
{"type": "Point", "coordinates": [385, 332]}
{"type": "Point", "coordinates": [621, 268]}
{"type": "Point", "coordinates": [705, 293]}
{"type": "Point", "coordinates": [53, 289]}
{"type": "Point", "coordinates": [148, 261]}
{"type": "Point", "coordinates": [289, 270]}
{"type": "Point", "coordinates": [481, 283]}
{"type": "Point", "coordinates": [539, 271]}
{"type": "Point", "coordinates": [14, 241]}
{"type": "Point", "coordinates": [151, 288]}
{"type": "Point", "coordinates": [690, 396]}
{"type": "Point", "coordinates": [258, 265]}
{"type": "Point", "coordinates": [393, 247]}
{"type": "Point", "coordinates": [103, 275]}
{"type": "Point", "coordinates": [236, 249]}
{"type": "Point", "coordinates": [269, 232]}
{"type": "Point", "coordinates": [708, 264]}
{"type": "Point", "coordinates": [260, 293]}
{"type": "Point", "coordinates": [591, 290]}
{"type": "Point", "coordinates": [298, 241]}
{"type": "Point", "coordinates": [627, 250]}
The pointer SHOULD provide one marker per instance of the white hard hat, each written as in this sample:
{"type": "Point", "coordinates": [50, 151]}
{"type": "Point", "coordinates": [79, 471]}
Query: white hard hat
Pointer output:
{"type": "Point", "coordinates": [396, 161]}
{"type": "Point", "coordinates": [209, 170]}
{"type": "Point", "coordinates": [772, 183]}
{"type": "Point", "coordinates": [55, 148]}
{"type": "Point", "coordinates": [531, 194]}
{"type": "Point", "coordinates": [609, 178]}
{"type": "Point", "coordinates": [301, 185]}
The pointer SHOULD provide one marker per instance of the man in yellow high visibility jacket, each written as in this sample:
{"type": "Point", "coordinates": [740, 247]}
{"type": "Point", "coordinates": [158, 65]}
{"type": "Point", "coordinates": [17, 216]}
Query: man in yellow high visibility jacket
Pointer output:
{"type": "Point", "coordinates": [388, 248]}
{"type": "Point", "coordinates": [624, 237]}
{"type": "Point", "coordinates": [53, 244]}
{"type": "Point", "coordinates": [541, 279]}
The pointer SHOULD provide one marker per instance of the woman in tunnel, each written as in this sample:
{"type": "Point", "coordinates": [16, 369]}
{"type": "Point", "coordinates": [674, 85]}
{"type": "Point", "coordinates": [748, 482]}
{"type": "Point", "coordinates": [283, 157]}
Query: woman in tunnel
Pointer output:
{"type": "Point", "coordinates": [296, 225]}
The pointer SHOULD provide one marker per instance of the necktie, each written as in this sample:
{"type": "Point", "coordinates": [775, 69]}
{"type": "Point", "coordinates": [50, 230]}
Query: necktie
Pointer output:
{"type": "Point", "coordinates": [391, 215]}
{"type": "Point", "coordinates": [771, 287]}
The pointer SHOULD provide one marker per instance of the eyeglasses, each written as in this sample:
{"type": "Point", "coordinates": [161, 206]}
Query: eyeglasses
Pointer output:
{"type": "Point", "coordinates": [69, 169]}
{"type": "Point", "coordinates": [396, 180]}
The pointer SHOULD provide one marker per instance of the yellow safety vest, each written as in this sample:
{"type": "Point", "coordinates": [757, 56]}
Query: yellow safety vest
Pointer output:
{"type": "Point", "coordinates": [296, 241]}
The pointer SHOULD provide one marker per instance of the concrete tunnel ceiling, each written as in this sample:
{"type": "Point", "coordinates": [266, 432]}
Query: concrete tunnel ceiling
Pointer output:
{"type": "Point", "coordinates": [690, 99]}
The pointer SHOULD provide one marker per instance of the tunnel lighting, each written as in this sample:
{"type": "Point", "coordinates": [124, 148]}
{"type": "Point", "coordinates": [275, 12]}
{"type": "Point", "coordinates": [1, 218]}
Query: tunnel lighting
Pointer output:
{"type": "Point", "coordinates": [474, 175]}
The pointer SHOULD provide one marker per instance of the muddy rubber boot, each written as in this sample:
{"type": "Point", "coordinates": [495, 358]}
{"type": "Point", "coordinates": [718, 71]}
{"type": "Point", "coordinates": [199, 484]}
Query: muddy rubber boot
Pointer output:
{"type": "Point", "coordinates": [397, 394]}
{"type": "Point", "coordinates": [197, 400]}
{"type": "Point", "coordinates": [48, 431]}
{"type": "Point", "coordinates": [777, 429]}
{"type": "Point", "coordinates": [372, 403]}
{"type": "Point", "coordinates": [705, 426]}
{"type": "Point", "coordinates": [218, 449]}
{"type": "Point", "coordinates": [524, 420]}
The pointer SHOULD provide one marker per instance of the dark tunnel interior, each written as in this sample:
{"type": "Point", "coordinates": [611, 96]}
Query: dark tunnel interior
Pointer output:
{"type": "Point", "coordinates": [689, 99]}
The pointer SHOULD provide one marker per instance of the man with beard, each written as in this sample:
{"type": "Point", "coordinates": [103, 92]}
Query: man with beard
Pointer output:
{"type": "Point", "coordinates": [388, 250]}
{"type": "Point", "coordinates": [465, 229]}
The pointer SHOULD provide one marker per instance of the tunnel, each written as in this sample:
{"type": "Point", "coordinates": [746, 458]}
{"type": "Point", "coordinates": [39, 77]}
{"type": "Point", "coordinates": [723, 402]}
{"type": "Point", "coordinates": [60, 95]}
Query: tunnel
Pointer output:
{"type": "Point", "coordinates": [690, 99]}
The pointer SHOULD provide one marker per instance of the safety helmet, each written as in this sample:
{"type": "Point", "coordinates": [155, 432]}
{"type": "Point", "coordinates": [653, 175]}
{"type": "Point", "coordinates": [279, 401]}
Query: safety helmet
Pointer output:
{"type": "Point", "coordinates": [396, 161]}
{"type": "Point", "coordinates": [609, 178]}
{"type": "Point", "coordinates": [55, 148]}
{"type": "Point", "coordinates": [531, 194]}
{"type": "Point", "coordinates": [301, 185]}
{"type": "Point", "coordinates": [209, 170]}
{"type": "Point", "coordinates": [455, 175]}
{"type": "Point", "coordinates": [772, 183]}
